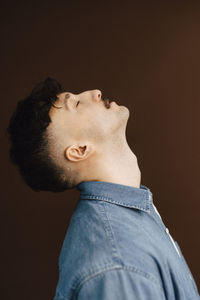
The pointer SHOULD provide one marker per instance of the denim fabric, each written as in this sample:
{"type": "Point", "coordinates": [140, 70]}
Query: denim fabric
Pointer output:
{"type": "Point", "coordinates": [118, 248]}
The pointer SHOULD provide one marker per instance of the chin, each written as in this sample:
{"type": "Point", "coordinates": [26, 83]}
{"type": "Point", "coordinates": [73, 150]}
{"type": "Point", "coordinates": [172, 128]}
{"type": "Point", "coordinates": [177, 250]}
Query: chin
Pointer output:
{"type": "Point", "coordinates": [125, 111]}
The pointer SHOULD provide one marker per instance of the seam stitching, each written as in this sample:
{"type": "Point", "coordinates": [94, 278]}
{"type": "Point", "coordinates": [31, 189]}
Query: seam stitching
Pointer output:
{"type": "Point", "coordinates": [85, 197]}
{"type": "Point", "coordinates": [111, 236]}
{"type": "Point", "coordinates": [118, 267]}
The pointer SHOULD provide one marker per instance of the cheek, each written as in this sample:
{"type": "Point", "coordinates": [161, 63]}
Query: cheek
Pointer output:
{"type": "Point", "coordinates": [94, 125]}
{"type": "Point", "coordinates": [88, 128]}
{"type": "Point", "coordinates": [94, 134]}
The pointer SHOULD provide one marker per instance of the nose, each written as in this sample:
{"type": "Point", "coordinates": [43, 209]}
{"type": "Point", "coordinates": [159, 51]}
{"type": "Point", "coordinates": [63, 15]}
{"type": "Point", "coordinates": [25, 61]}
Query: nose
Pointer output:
{"type": "Point", "coordinates": [97, 94]}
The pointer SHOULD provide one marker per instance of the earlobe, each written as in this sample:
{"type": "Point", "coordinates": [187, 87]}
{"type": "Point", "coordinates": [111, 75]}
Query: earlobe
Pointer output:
{"type": "Point", "coordinates": [77, 153]}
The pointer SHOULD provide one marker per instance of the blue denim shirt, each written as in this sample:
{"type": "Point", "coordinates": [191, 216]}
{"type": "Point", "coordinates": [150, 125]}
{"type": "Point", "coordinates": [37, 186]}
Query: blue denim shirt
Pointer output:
{"type": "Point", "coordinates": [118, 248]}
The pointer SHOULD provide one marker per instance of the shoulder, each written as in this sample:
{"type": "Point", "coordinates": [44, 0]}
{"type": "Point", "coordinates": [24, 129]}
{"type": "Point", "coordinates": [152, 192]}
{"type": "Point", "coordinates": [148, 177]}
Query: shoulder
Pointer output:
{"type": "Point", "coordinates": [91, 253]}
{"type": "Point", "coordinates": [86, 239]}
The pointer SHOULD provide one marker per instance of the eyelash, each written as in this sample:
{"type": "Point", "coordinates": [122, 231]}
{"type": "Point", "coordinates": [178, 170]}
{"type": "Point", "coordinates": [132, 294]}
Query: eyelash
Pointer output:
{"type": "Point", "coordinates": [77, 103]}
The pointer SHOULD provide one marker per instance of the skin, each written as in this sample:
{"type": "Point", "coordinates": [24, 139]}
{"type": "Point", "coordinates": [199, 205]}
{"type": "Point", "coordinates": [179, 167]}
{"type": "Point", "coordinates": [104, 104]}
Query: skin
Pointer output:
{"type": "Point", "coordinates": [90, 139]}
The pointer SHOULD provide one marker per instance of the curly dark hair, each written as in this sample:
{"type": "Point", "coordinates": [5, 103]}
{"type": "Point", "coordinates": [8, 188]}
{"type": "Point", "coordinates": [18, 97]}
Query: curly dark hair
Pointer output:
{"type": "Point", "coordinates": [29, 142]}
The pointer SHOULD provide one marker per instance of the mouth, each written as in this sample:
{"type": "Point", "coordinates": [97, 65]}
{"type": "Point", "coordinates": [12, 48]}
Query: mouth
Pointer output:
{"type": "Point", "coordinates": [106, 103]}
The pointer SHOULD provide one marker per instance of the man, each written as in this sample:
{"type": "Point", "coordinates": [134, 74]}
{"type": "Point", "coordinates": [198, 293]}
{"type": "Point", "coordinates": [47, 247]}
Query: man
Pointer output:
{"type": "Point", "coordinates": [116, 246]}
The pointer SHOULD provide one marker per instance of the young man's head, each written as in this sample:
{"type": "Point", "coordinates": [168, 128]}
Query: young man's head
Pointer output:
{"type": "Point", "coordinates": [58, 139]}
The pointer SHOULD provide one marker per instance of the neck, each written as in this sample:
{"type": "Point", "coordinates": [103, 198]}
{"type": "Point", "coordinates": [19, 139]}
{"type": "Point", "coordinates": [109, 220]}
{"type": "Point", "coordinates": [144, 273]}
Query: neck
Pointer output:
{"type": "Point", "coordinates": [117, 164]}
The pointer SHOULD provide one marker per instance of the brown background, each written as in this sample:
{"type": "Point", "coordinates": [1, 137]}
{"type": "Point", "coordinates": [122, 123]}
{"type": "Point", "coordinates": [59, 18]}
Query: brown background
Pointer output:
{"type": "Point", "coordinates": [142, 54]}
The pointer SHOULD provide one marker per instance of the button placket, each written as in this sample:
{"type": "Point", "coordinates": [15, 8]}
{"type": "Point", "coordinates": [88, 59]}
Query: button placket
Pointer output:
{"type": "Point", "coordinates": [167, 231]}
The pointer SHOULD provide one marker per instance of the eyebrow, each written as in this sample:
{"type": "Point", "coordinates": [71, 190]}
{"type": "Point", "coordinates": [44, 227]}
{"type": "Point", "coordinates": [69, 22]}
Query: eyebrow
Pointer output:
{"type": "Point", "coordinates": [67, 96]}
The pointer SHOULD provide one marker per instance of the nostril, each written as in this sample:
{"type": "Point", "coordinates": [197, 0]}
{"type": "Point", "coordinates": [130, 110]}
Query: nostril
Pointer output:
{"type": "Point", "coordinates": [99, 94]}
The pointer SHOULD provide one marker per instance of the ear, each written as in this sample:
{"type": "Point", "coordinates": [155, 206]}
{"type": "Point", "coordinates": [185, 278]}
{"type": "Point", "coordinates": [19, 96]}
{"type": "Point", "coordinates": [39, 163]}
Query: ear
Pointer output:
{"type": "Point", "coordinates": [77, 153]}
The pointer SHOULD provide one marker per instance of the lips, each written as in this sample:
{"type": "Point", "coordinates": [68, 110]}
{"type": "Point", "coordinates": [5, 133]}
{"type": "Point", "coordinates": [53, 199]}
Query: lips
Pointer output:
{"type": "Point", "coordinates": [107, 103]}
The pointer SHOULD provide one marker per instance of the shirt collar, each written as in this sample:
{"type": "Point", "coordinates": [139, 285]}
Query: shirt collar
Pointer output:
{"type": "Point", "coordinates": [124, 195]}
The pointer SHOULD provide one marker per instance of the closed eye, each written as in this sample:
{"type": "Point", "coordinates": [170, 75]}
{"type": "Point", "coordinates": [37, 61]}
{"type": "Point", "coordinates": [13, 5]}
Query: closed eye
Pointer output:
{"type": "Point", "coordinates": [77, 103]}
